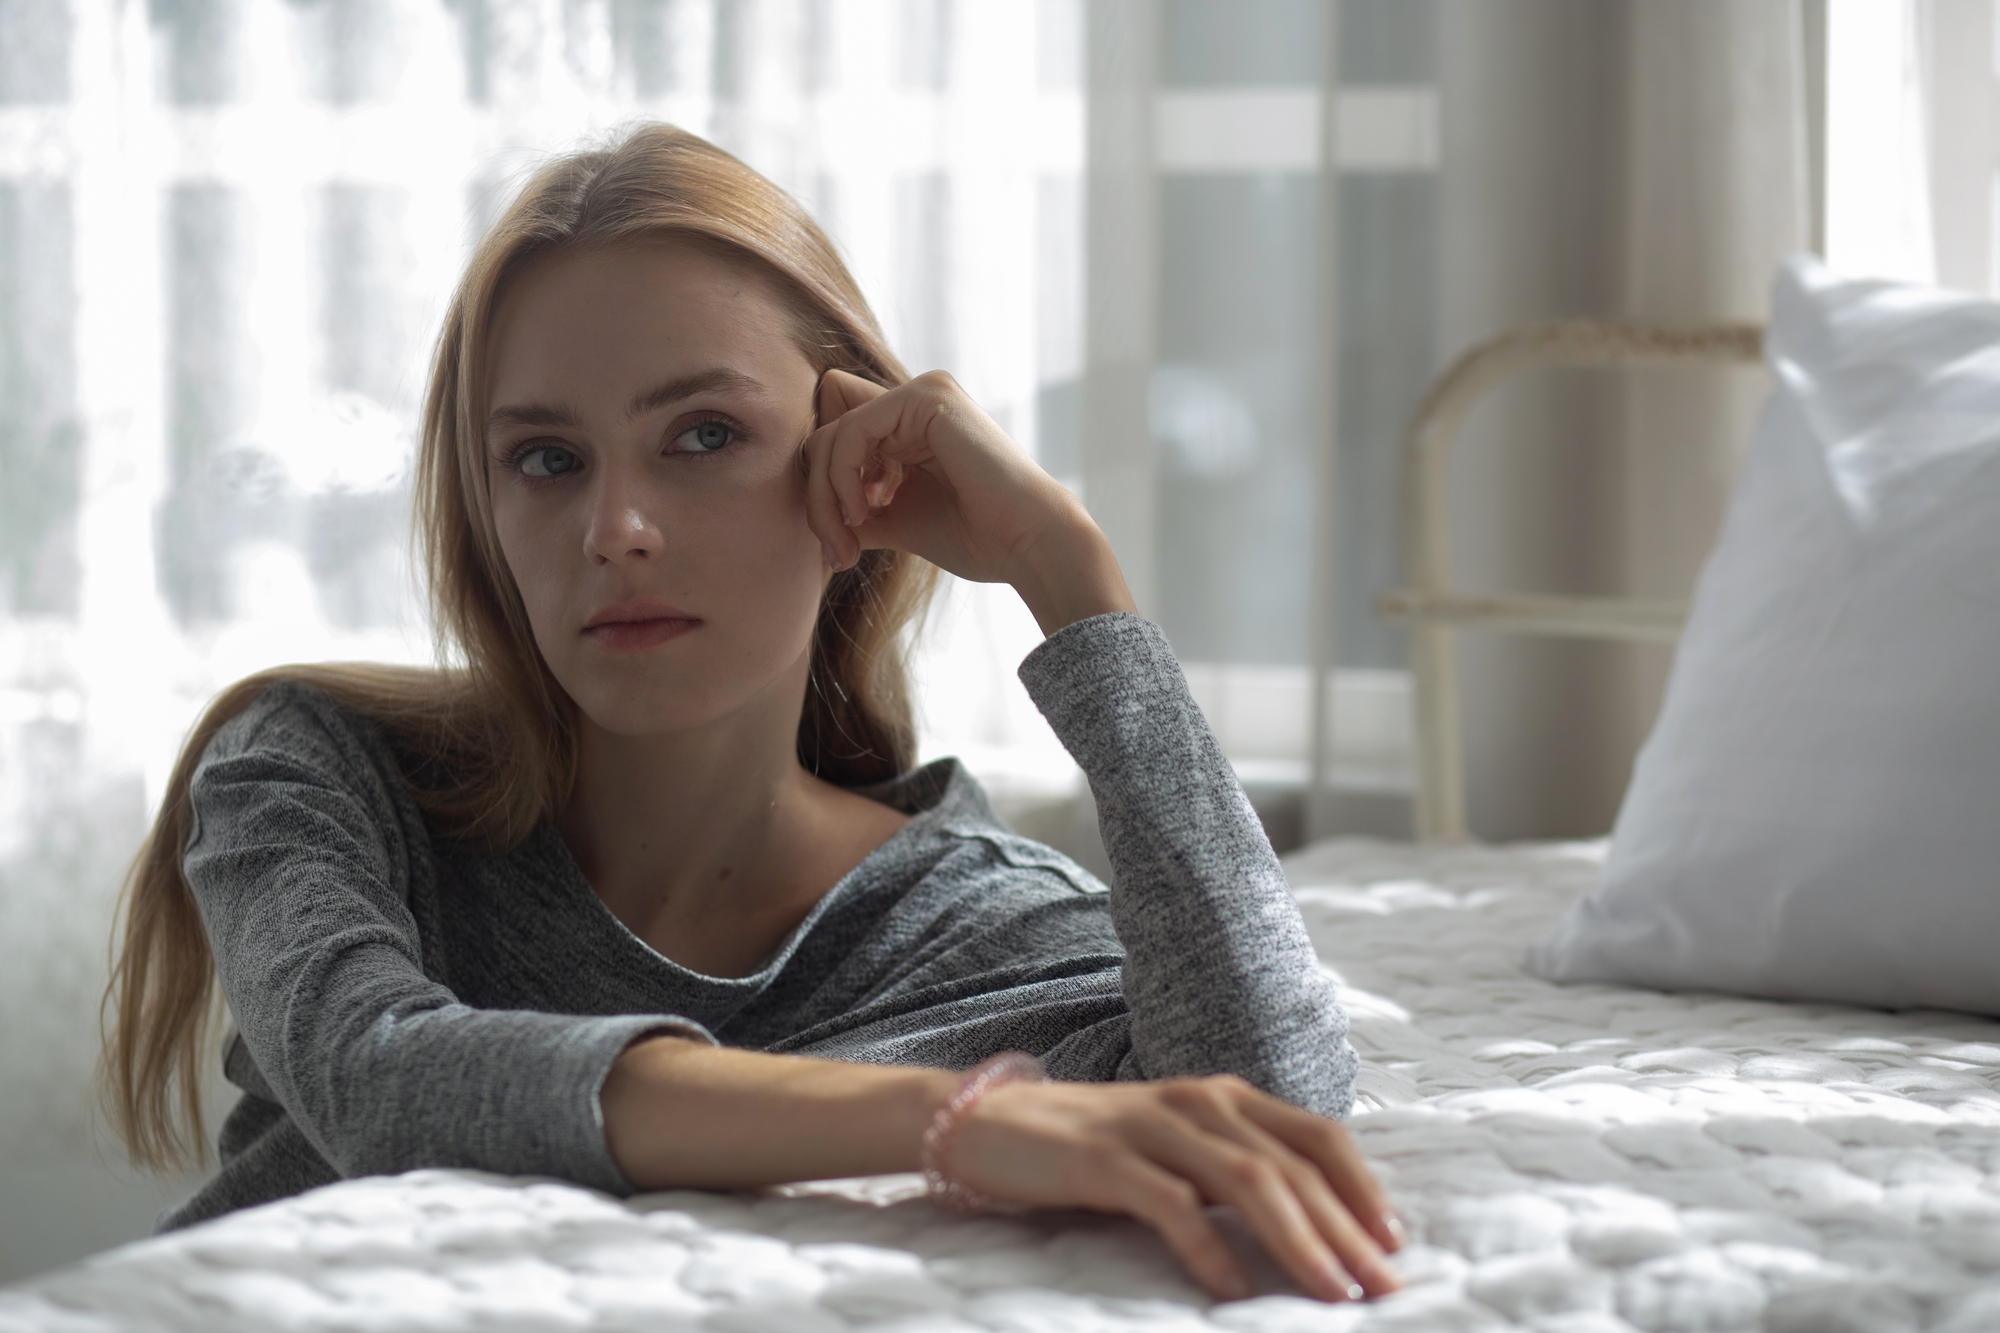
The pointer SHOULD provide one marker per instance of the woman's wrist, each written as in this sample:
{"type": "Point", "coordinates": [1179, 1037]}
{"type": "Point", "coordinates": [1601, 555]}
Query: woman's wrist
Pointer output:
{"type": "Point", "coordinates": [682, 1114]}
{"type": "Point", "coordinates": [942, 1137]}
{"type": "Point", "coordinates": [1069, 573]}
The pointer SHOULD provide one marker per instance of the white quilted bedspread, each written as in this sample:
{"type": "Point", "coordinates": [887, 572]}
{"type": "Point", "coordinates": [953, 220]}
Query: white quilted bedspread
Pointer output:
{"type": "Point", "coordinates": [1569, 1160]}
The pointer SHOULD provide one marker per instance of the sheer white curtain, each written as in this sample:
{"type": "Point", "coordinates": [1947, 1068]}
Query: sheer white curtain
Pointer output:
{"type": "Point", "coordinates": [1262, 222]}
{"type": "Point", "coordinates": [1913, 140]}
{"type": "Point", "coordinates": [1878, 216]}
{"type": "Point", "coordinates": [227, 231]}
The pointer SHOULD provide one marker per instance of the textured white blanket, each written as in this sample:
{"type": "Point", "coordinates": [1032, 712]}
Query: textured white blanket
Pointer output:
{"type": "Point", "coordinates": [1571, 1160]}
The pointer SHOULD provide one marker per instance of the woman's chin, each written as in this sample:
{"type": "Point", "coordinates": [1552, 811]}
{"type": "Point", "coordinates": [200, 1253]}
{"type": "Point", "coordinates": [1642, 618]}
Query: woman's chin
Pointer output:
{"type": "Point", "coordinates": [627, 719]}
{"type": "Point", "coordinates": [689, 683]}
{"type": "Point", "coordinates": [640, 704]}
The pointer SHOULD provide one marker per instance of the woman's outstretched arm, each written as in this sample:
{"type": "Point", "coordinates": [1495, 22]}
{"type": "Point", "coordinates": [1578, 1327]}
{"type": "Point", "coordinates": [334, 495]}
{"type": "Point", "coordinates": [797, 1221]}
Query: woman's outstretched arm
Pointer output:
{"type": "Point", "coordinates": [301, 863]}
{"type": "Point", "coordinates": [678, 1113]}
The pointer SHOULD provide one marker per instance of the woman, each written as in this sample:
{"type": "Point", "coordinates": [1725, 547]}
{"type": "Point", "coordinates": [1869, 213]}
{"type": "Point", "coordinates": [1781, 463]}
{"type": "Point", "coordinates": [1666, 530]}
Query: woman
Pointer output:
{"type": "Point", "coordinates": [644, 895]}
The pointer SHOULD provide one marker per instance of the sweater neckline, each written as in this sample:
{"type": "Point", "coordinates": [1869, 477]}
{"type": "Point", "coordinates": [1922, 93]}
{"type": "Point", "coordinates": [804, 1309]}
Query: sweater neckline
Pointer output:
{"type": "Point", "coordinates": [940, 793]}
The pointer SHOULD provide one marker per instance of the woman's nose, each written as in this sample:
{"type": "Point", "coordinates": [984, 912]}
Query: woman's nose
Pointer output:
{"type": "Point", "coordinates": [621, 525]}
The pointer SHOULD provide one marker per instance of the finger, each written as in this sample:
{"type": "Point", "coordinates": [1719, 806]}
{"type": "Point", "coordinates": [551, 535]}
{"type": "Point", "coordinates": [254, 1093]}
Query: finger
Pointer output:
{"type": "Point", "coordinates": [823, 514]}
{"type": "Point", "coordinates": [851, 459]}
{"type": "Point", "coordinates": [924, 519]}
{"type": "Point", "coordinates": [1256, 1185]}
{"type": "Point", "coordinates": [880, 482]}
{"type": "Point", "coordinates": [873, 447]}
{"type": "Point", "coordinates": [1338, 1226]}
{"type": "Point", "coordinates": [1328, 1146]}
{"type": "Point", "coordinates": [849, 463]}
{"type": "Point", "coordinates": [1231, 1108]}
{"type": "Point", "coordinates": [842, 391]}
{"type": "Point", "coordinates": [1173, 1207]}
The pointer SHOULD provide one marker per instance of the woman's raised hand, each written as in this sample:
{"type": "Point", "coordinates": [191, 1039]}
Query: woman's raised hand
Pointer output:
{"type": "Point", "coordinates": [920, 468]}
{"type": "Point", "coordinates": [1162, 1151]}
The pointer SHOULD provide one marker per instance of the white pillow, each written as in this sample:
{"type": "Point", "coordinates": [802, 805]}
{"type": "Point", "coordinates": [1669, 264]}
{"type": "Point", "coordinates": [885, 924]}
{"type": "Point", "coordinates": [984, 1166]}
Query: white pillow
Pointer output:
{"type": "Point", "coordinates": [1817, 812]}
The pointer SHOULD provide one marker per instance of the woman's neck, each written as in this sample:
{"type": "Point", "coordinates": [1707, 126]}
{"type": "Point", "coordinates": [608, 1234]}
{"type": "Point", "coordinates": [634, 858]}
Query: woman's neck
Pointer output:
{"type": "Point", "coordinates": [712, 844]}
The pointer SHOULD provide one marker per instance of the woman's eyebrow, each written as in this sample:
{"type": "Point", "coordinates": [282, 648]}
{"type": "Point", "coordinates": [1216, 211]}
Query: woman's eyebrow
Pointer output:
{"type": "Point", "coordinates": [530, 415]}
{"type": "Point", "coordinates": [672, 391]}
{"type": "Point", "coordinates": [687, 386]}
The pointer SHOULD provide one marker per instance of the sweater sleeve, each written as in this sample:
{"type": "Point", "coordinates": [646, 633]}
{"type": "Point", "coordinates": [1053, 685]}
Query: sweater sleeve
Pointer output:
{"type": "Point", "coordinates": [1219, 975]}
{"type": "Point", "coordinates": [300, 862]}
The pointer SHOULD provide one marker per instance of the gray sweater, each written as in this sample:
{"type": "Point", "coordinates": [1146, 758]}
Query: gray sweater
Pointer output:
{"type": "Point", "coordinates": [401, 1002]}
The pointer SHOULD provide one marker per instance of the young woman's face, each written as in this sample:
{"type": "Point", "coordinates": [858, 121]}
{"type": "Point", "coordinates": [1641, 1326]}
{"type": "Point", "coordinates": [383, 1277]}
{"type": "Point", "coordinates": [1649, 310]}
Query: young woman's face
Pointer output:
{"type": "Point", "coordinates": [643, 424]}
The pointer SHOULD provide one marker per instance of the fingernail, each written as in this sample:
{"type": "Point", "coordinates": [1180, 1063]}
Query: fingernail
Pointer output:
{"type": "Point", "coordinates": [845, 518]}
{"type": "Point", "coordinates": [831, 558]}
{"type": "Point", "coordinates": [1397, 1231]}
{"type": "Point", "coordinates": [1338, 1280]}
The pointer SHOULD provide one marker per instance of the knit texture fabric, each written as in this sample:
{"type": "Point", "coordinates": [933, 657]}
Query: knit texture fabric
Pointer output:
{"type": "Point", "coordinates": [400, 1002]}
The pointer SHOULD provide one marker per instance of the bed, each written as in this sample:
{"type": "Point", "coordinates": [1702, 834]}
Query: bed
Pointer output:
{"type": "Point", "coordinates": [1569, 1159]}
{"type": "Point", "coordinates": [1573, 1159]}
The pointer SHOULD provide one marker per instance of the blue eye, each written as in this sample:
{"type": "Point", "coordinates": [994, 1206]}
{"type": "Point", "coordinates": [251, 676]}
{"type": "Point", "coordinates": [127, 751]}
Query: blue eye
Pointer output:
{"type": "Point", "coordinates": [704, 437]}
{"type": "Point", "coordinates": [546, 460]}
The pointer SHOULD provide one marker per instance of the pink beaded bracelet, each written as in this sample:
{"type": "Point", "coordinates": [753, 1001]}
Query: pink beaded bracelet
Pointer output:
{"type": "Point", "coordinates": [1004, 1068]}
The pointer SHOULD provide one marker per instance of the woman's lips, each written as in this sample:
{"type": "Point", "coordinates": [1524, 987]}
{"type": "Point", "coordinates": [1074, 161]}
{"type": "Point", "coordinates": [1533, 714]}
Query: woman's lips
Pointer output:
{"type": "Point", "coordinates": [628, 629]}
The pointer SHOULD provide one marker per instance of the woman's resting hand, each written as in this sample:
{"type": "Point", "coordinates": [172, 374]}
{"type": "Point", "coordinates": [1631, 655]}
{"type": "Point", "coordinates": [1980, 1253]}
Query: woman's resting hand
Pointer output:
{"type": "Point", "coordinates": [920, 468]}
{"type": "Point", "coordinates": [1161, 1151]}
{"type": "Point", "coordinates": [680, 1114]}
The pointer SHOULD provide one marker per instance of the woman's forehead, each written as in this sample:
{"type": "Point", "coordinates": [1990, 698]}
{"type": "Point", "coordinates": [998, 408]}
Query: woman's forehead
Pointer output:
{"type": "Point", "coordinates": [663, 271]}
{"type": "Point", "coordinates": [588, 313]}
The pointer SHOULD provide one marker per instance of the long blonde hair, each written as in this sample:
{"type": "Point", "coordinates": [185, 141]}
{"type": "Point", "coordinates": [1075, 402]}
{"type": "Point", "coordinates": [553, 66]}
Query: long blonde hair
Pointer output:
{"type": "Point", "coordinates": [489, 746]}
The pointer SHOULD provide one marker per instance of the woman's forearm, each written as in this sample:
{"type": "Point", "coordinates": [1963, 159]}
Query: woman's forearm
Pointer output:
{"type": "Point", "coordinates": [1219, 974]}
{"type": "Point", "coordinates": [682, 1114]}
{"type": "Point", "coordinates": [679, 1113]}
{"type": "Point", "coordinates": [1069, 572]}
